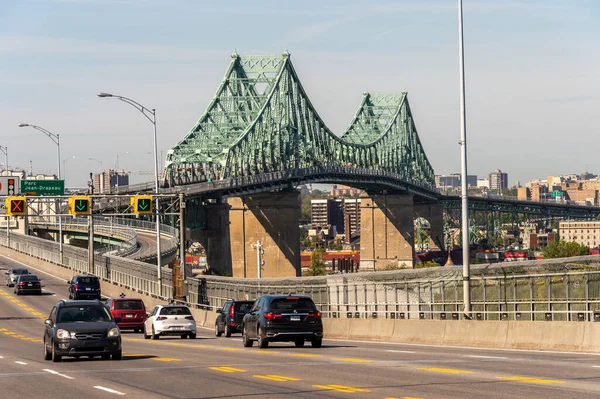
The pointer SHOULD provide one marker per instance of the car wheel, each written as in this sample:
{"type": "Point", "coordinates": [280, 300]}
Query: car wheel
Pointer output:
{"type": "Point", "coordinates": [245, 340]}
{"type": "Point", "coordinates": [146, 336]}
{"type": "Point", "coordinates": [117, 356]}
{"type": "Point", "coordinates": [263, 342]}
{"type": "Point", "coordinates": [184, 336]}
{"type": "Point", "coordinates": [192, 336]}
{"type": "Point", "coordinates": [299, 343]}
{"type": "Point", "coordinates": [227, 331]}
{"type": "Point", "coordinates": [105, 357]}
{"type": "Point", "coordinates": [317, 342]}
{"type": "Point", "coordinates": [47, 355]}
{"type": "Point", "coordinates": [55, 358]}
{"type": "Point", "coordinates": [218, 332]}
{"type": "Point", "coordinates": [154, 334]}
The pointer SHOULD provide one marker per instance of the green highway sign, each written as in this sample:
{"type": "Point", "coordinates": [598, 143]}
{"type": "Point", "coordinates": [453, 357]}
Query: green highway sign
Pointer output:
{"type": "Point", "coordinates": [43, 187]}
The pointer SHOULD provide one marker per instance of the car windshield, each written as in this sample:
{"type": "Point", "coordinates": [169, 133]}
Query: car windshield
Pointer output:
{"type": "Point", "coordinates": [292, 303]}
{"type": "Point", "coordinates": [28, 278]}
{"type": "Point", "coordinates": [175, 311]}
{"type": "Point", "coordinates": [129, 305]}
{"type": "Point", "coordinates": [20, 271]}
{"type": "Point", "coordinates": [90, 313]}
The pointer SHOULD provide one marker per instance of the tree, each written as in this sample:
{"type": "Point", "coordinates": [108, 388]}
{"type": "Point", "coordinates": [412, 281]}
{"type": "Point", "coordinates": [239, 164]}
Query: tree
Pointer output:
{"type": "Point", "coordinates": [317, 264]}
{"type": "Point", "coordinates": [563, 249]}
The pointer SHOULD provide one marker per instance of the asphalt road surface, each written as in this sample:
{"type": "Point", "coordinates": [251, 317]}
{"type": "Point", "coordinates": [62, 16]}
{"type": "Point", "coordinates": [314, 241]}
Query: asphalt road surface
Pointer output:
{"type": "Point", "coordinates": [211, 367]}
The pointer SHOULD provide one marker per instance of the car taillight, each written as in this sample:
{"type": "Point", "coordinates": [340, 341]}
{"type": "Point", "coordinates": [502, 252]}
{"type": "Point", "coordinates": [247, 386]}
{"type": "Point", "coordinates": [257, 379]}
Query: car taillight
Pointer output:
{"type": "Point", "coordinates": [316, 315]}
{"type": "Point", "coordinates": [21, 284]}
{"type": "Point", "coordinates": [76, 287]}
{"type": "Point", "coordinates": [273, 316]}
{"type": "Point", "coordinates": [189, 317]}
{"type": "Point", "coordinates": [36, 283]}
{"type": "Point", "coordinates": [232, 311]}
{"type": "Point", "coordinates": [161, 318]}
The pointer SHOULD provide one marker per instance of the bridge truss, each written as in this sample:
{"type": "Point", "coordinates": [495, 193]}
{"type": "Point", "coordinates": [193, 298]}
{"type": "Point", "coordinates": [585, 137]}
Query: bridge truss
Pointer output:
{"type": "Point", "coordinates": [261, 121]}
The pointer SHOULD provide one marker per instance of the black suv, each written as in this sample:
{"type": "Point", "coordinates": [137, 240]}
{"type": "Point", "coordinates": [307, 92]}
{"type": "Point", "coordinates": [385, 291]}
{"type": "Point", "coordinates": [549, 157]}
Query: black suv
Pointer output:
{"type": "Point", "coordinates": [81, 328]}
{"type": "Point", "coordinates": [278, 318]}
{"type": "Point", "coordinates": [230, 317]}
{"type": "Point", "coordinates": [84, 287]}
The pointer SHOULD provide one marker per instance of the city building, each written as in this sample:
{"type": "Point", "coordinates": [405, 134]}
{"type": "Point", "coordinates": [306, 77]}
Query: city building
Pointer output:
{"type": "Point", "coordinates": [344, 191]}
{"type": "Point", "coordinates": [105, 181]}
{"type": "Point", "coordinates": [582, 232]}
{"type": "Point", "coordinates": [483, 183]}
{"type": "Point", "coordinates": [498, 180]}
{"type": "Point", "coordinates": [539, 241]}
{"type": "Point", "coordinates": [351, 218]}
{"type": "Point", "coordinates": [453, 181]}
{"type": "Point", "coordinates": [335, 216]}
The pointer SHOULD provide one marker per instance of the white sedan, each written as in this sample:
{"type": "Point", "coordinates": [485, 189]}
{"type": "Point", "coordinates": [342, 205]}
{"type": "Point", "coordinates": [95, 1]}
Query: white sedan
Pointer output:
{"type": "Point", "coordinates": [170, 320]}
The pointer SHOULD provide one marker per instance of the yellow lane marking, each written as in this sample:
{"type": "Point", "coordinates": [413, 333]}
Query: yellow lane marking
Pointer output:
{"type": "Point", "coordinates": [22, 305]}
{"type": "Point", "coordinates": [532, 380]}
{"type": "Point", "coordinates": [3, 329]}
{"type": "Point", "coordinates": [133, 354]}
{"type": "Point", "coordinates": [29, 309]}
{"type": "Point", "coordinates": [166, 359]}
{"type": "Point", "coordinates": [352, 360]}
{"type": "Point", "coordinates": [304, 355]}
{"type": "Point", "coordinates": [14, 300]}
{"type": "Point", "coordinates": [9, 296]}
{"type": "Point", "coordinates": [176, 344]}
{"type": "Point", "coordinates": [405, 397]}
{"type": "Point", "coordinates": [442, 370]}
{"type": "Point", "coordinates": [230, 349]}
{"type": "Point", "coordinates": [9, 333]}
{"type": "Point", "coordinates": [341, 388]}
{"type": "Point", "coordinates": [279, 378]}
{"type": "Point", "coordinates": [264, 352]}
{"type": "Point", "coordinates": [226, 369]}
{"type": "Point", "coordinates": [201, 346]}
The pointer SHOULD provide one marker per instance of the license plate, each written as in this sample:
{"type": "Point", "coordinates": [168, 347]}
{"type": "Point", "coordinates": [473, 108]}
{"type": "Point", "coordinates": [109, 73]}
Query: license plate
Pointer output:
{"type": "Point", "coordinates": [177, 328]}
{"type": "Point", "coordinates": [295, 318]}
{"type": "Point", "coordinates": [29, 284]}
{"type": "Point", "coordinates": [88, 289]}
{"type": "Point", "coordinates": [128, 316]}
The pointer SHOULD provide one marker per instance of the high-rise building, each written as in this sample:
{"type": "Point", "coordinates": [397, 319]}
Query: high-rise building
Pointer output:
{"type": "Point", "coordinates": [318, 214]}
{"type": "Point", "coordinates": [454, 181]}
{"type": "Point", "coordinates": [109, 179]}
{"type": "Point", "coordinates": [351, 218]}
{"type": "Point", "coordinates": [498, 180]}
{"type": "Point", "coordinates": [344, 191]}
{"type": "Point", "coordinates": [336, 215]}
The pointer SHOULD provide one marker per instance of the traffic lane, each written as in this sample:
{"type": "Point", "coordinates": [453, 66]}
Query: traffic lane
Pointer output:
{"type": "Point", "coordinates": [24, 374]}
{"type": "Point", "coordinates": [565, 364]}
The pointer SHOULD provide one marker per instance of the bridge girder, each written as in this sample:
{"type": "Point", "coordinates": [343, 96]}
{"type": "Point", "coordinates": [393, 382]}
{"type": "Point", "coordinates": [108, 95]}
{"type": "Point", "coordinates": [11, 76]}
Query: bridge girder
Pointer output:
{"type": "Point", "coordinates": [261, 121]}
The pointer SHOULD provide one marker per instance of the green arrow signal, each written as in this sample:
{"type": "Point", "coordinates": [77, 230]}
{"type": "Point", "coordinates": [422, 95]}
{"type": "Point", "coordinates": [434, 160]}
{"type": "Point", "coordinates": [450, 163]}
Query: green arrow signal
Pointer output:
{"type": "Point", "coordinates": [143, 205]}
{"type": "Point", "coordinates": [81, 205]}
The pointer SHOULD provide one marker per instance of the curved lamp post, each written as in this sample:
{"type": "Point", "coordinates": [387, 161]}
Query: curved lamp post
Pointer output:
{"type": "Point", "coordinates": [56, 139]}
{"type": "Point", "coordinates": [150, 114]}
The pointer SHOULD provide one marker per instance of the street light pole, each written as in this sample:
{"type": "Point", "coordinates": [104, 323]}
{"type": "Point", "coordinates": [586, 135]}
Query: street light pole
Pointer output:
{"type": "Point", "coordinates": [463, 171]}
{"type": "Point", "coordinates": [151, 116]}
{"type": "Point", "coordinates": [5, 151]}
{"type": "Point", "coordinates": [56, 139]}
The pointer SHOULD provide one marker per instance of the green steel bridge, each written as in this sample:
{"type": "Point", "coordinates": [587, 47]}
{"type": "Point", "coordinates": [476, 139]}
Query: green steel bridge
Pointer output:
{"type": "Point", "coordinates": [261, 132]}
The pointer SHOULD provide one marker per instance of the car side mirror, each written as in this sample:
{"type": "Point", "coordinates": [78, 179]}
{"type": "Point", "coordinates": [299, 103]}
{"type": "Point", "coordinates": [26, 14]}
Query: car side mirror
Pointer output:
{"type": "Point", "coordinates": [118, 319]}
{"type": "Point", "coordinates": [220, 310]}
{"type": "Point", "coordinates": [68, 282]}
{"type": "Point", "coordinates": [147, 315]}
{"type": "Point", "coordinates": [48, 322]}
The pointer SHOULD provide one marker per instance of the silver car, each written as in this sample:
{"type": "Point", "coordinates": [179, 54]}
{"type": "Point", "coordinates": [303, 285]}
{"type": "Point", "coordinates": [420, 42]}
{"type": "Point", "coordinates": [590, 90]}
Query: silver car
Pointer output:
{"type": "Point", "coordinates": [170, 320]}
{"type": "Point", "coordinates": [13, 274]}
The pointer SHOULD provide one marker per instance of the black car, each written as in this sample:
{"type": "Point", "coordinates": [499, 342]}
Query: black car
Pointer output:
{"type": "Point", "coordinates": [28, 283]}
{"type": "Point", "coordinates": [84, 287]}
{"type": "Point", "coordinates": [279, 318]}
{"type": "Point", "coordinates": [81, 328]}
{"type": "Point", "coordinates": [229, 320]}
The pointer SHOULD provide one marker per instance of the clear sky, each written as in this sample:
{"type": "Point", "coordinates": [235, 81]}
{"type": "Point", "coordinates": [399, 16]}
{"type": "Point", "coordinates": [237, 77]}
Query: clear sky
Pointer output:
{"type": "Point", "coordinates": [532, 73]}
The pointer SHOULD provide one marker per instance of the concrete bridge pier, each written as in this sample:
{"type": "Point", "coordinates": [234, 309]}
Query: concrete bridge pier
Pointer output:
{"type": "Point", "coordinates": [215, 237]}
{"type": "Point", "coordinates": [271, 218]}
{"type": "Point", "coordinates": [387, 231]}
{"type": "Point", "coordinates": [434, 214]}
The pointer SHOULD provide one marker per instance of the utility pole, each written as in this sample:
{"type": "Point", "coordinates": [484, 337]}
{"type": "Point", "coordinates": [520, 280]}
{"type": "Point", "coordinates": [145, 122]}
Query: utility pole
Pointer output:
{"type": "Point", "coordinates": [182, 236]}
{"type": "Point", "coordinates": [91, 242]}
{"type": "Point", "coordinates": [259, 257]}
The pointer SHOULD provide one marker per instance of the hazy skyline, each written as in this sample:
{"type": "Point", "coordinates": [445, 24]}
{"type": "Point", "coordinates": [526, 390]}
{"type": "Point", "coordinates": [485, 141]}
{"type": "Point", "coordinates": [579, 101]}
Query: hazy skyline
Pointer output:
{"type": "Point", "coordinates": [532, 75]}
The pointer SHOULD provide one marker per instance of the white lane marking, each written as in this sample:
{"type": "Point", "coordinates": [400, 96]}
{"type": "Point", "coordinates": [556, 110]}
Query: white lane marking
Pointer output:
{"type": "Point", "coordinates": [486, 357]}
{"type": "Point", "coordinates": [59, 374]}
{"type": "Point", "coordinates": [20, 362]}
{"type": "Point", "coordinates": [395, 351]}
{"type": "Point", "coordinates": [1, 357]}
{"type": "Point", "coordinates": [597, 367]}
{"type": "Point", "coordinates": [109, 390]}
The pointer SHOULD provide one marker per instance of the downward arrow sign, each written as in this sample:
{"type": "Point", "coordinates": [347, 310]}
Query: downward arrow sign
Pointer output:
{"type": "Point", "coordinates": [143, 205]}
{"type": "Point", "coordinates": [81, 205]}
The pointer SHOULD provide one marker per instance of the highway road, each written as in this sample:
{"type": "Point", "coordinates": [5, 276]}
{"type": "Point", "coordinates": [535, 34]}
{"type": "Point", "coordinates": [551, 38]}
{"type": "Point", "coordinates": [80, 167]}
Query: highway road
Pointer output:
{"type": "Point", "coordinates": [211, 367]}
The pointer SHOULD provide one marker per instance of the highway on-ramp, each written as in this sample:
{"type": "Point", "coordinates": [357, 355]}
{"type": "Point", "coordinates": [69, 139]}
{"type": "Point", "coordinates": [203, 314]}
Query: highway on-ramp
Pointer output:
{"type": "Point", "coordinates": [210, 367]}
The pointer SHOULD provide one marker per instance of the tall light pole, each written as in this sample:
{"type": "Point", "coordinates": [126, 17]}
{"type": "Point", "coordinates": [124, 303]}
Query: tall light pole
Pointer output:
{"type": "Point", "coordinates": [65, 167]}
{"type": "Point", "coordinates": [151, 116]}
{"type": "Point", "coordinates": [463, 171]}
{"type": "Point", "coordinates": [56, 139]}
{"type": "Point", "coordinates": [5, 151]}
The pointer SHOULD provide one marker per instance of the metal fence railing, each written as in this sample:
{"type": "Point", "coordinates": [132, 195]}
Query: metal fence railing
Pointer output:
{"type": "Point", "coordinates": [553, 290]}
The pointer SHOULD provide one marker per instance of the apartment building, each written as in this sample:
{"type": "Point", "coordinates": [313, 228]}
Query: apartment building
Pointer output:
{"type": "Point", "coordinates": [582, 232]}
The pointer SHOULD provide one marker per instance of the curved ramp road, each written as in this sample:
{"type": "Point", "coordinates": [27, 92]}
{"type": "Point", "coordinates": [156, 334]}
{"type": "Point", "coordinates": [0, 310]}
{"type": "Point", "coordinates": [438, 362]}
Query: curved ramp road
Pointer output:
{"type": "Point", "coordinates": [210, 367]}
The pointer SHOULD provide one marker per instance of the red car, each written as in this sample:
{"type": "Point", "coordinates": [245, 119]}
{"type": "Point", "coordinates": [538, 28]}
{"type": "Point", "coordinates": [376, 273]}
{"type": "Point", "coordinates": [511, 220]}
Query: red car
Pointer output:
{"type": "Point", "coordinates": [131, 311]}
